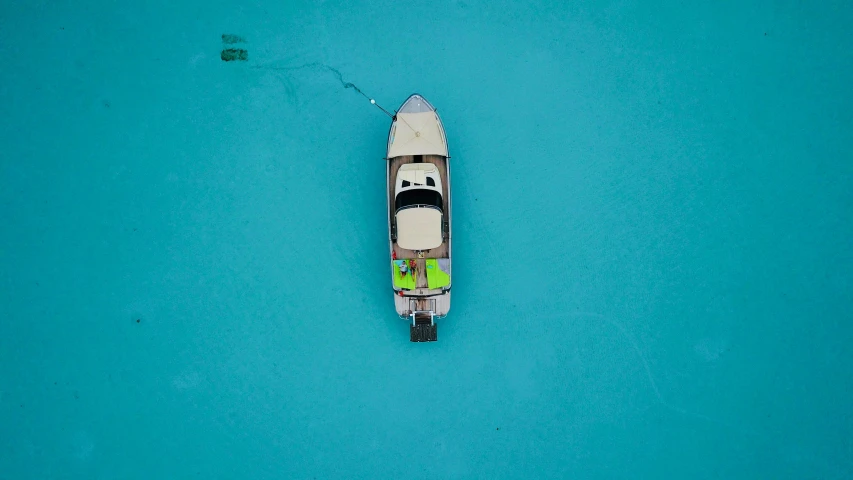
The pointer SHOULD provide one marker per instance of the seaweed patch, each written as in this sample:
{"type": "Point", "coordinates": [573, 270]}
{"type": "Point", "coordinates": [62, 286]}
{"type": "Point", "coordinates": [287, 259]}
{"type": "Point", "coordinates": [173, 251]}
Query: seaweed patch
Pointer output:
{"type": "Point", "coordinates": [231, 54]}
{"type": "Point", "coordinates": [230, 39]}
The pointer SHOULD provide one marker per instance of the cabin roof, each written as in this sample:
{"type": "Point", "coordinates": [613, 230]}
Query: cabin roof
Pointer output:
{"type": "Point", "coordinates": [419, 228]}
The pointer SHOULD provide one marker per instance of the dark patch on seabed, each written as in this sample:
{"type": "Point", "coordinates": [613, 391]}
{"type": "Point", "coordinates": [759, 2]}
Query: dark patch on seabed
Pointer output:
{"type": "Point", "coordinates": [231, 54]}
{"type": "Point", "coordinates": [230, 39]}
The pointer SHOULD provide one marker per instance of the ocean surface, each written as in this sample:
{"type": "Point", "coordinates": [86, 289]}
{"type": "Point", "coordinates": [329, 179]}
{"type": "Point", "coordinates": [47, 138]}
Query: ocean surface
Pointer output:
{"type": "Point", "coordinates": [653, 266]}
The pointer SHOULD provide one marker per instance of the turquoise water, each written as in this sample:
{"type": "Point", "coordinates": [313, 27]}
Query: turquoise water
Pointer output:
{"type": "Point", "coordinates": [652, 273]}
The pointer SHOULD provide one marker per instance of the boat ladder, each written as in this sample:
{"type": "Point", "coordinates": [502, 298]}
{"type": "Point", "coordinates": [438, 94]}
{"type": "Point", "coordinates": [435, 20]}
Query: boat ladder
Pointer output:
{"type": "Point", "coordinates": [423, 327]}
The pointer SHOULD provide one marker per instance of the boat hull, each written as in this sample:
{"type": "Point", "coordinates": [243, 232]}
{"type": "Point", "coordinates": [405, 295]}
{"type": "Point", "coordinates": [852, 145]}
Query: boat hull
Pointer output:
{"type": "Point", "coordinates": [421, 279]}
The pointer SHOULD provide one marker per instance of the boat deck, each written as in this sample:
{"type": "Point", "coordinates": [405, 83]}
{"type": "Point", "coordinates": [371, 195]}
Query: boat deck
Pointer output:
{"type": "Point", "coordinates": [421, 297]}
{"type": "Point", "coordinates": [421, 286]}
{"type": "Point", "coordinates": [394, 165]}
{"type": "Point", "coordinates": [440, 304]}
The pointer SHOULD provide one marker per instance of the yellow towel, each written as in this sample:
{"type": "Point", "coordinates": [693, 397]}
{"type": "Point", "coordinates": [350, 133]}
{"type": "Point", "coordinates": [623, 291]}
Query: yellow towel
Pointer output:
{"type": "Point", "coordinates": [400, 280]}
{"type": "Point", "coordinates": [436, 278]}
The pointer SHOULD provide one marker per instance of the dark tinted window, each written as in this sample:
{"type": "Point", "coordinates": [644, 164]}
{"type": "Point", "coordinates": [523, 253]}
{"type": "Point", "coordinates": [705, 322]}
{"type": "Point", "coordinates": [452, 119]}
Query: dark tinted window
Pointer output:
{"type": "Point", "coordinates": [418, 196]}
{"type": "Point", "coordinates": [430, 181]}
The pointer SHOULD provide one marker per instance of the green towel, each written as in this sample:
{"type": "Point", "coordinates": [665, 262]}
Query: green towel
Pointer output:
{"type": "Point", "coordinates": [407, 282]}
{"type": "Point", "coordinates": [436, 278]}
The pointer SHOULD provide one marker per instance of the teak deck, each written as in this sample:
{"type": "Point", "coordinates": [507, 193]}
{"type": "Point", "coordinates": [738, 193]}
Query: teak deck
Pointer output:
{"type": "Point", "coordinates": [394, 165]}
{"type": "Point", "coordinates": [422, 298]}
{"type": "Point", "coordinates": [440, 304]}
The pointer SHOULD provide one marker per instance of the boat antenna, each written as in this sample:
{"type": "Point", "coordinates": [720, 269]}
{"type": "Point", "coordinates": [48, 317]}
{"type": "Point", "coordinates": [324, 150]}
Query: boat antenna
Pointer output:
{"type": "Point", "coordinates": [337, 73]}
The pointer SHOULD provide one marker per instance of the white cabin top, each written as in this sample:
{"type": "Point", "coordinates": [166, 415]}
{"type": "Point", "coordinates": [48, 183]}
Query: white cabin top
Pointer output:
{"type": "Point", "coordinates": [417, 175]}
{"type": "Point", "coordinates": [417, 198]}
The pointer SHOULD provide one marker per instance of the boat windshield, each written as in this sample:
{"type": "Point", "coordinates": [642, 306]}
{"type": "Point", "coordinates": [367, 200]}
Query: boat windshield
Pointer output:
{"type": "Point", "coordinates": [418, 196]}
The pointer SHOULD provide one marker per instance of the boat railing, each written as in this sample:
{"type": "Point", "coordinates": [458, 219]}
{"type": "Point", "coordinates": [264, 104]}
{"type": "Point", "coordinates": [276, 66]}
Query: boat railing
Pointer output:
{"type": "Point", "coordinates": [418, 205]}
